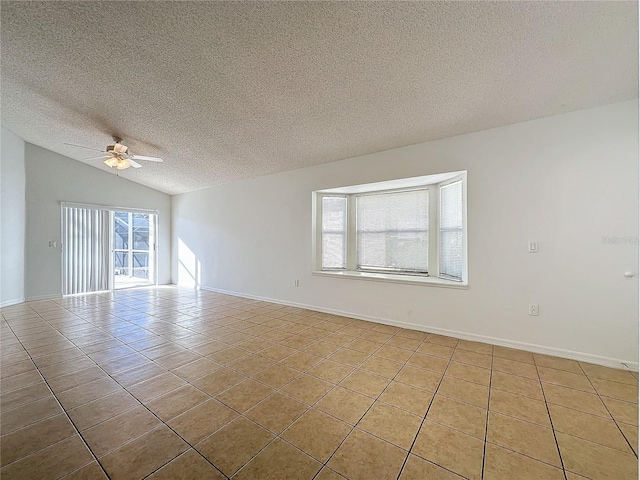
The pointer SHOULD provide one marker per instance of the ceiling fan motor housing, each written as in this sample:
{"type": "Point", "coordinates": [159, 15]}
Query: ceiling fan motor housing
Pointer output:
{"type": "Point", "coordinates": [118, 148]}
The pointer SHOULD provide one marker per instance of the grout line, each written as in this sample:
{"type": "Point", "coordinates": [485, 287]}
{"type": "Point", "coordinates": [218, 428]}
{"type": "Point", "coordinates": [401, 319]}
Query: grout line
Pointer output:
{"type": "Point", "coordinates": [486, 425]}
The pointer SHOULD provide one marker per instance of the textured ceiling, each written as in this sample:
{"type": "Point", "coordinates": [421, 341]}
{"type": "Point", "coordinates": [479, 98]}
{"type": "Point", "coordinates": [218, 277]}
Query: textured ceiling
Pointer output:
{"type": "Point", "coordinates": [226, 91]}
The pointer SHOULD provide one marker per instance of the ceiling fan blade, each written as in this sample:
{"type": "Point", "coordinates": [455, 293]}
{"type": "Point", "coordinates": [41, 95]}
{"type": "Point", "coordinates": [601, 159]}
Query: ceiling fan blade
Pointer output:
{"type": "Point", "coordinates": [134, 164]}
{"type": "Point", "coordinates": [149, 159]}
{"type": "Point", "coordinates": [95, 158]}
{"type": "Point", "coordinates": [88, 148]}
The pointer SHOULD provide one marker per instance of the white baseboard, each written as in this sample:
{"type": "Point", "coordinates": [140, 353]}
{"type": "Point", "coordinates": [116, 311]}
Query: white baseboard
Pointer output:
{"type": "Point", "coordinates": [42, 297]}
{"type": "Point", "coordinates": [502, 342]}
{"type": "Point", "coordinates": [8, 303]}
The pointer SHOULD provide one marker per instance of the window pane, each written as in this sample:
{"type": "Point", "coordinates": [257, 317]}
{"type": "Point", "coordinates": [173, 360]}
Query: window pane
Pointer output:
{"type": "Point", "coordinates": [451, 247]}
{"type": "Point", "coordinates": [141, 265]}
{"type": "Point", "coordinates": [121, 227]}
{"type": "Point", "coordinates": [141, 231]}
{"type": "Point", "coordinates": [121, 263]}
{"type": "Point", "coordinates": [392, 231]}
{"type": "Point", "coordinates": [334, 232]}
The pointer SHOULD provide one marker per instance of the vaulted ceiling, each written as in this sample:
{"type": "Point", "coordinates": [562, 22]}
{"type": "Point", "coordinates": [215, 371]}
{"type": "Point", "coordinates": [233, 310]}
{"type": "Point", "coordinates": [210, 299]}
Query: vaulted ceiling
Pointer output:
{"type": "Point", "coordinates": [227, 91]}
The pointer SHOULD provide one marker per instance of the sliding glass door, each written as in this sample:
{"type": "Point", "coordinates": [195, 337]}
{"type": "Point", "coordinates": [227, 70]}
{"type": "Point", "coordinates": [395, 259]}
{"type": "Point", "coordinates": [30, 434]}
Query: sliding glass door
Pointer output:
{"type": "Point", "coordinates": [105, 248]}
{"type": "Point", "coordinates": [134, 249]}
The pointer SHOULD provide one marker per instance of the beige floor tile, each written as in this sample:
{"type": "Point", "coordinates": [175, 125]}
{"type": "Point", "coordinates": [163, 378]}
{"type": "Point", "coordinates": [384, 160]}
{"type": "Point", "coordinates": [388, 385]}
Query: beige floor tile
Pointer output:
{"type": "Point", "coordinates": [472, 358]}
{"type": "Point", "coordinates": [470, 373]}
{"type": "Point", "coordinates": [234, 445]}
{"type": "Point", "coordinates": [419, 377]}
{"type": "Point", "coordinates": [111, 434]}
{"type": "Point", "coordinates": [442, 340]}
{"type": "Point", "coordinates": [417, 468]}
{"type": "Point", "coordinates": [435, 349]}
{"type": "Point", "coordinates": [329, 371]}
{"type": "Point", "coordinates": [596, 461]}
{"type": "Point", "coordinates": [176, 402]}
{"type": "Point", "coordinates": [307, 388]}
{"type": "Point", "coordinates": [250, 364]}
{"type": "Point", "coordinates": [366, 383]}
{"type": "Point", "coordinates": [391, 424]}
{"type": "Point", "coordinates": [19, 381]}
{"type": "Point", "coordinates": [52, 462]}
{"type": "Point", "coordinates": [502, 464]}
{"type": "Point", "coordinates": [412, 334]}
{"type": "Point", "coordinates": [576, 399]}
{"type": "Point", "coordinates": [202, 420]}
{"type": "Point", "coordinates": [91, 471]}
{"type": "Point", "coordinates": [27, 440]}
{"type": "Point", "coordinates": [612, 374]}
{"type": "Point", "coordinates": [277, 412]}
{"type": "Point", "coordinates": [515, 368]}
{"type": "Point", "coordinates": [619, 391]}
{"type": "Point", "coordinates": [406, 397]}
{"type": "Point", "coordinates": [188, 466]}
{"type": "Point", "coordinates": [461, 416]}
{"type": "Point", "coordinates": [589, 427]}
{"type": "Point", "coordinates": [513, 354]}
{"type": "Point", "coordinates": [72, 380]}
{"type": "Point", "coordinates": [228, 355]}
{"type": "Point", "coordinates": [322, 349]}
{"type": "Point", "coordinates": [429, 362]}
{"type": "Point", "coordinates": [137, 375]}
{"type": "Point", "coordinates": [451, 449]}
{"type": "Point", "coordinates": [631, 434]}
{"type": "Point", "coordinates": [209, 348]}
{"type": "Point", "coordinates": [394, 353]}
{"type": "Point", "coordinates": [156, 386]}
{"type": "Point", "coordinates": [519, 385]}
{"type": "Point", "coordinates": [519, 406]}
{"type": "Point", "coordinates": [468, 392]}
{"type": "Point", "coordinates": [27, 414]}
{"type": "Point", "coordinates": [276, 375]}
{"type": "Point", "coordinates": [197, 369]}
{"type": "Point", "coordinates": [381, 366]}
{"type": "Point", "coordinates": [404, 342]}
{"type": "Point", "coordinates": [280, 461]}
{"type": "Point", "coordinates": [558, 363]}
{"type": "Point", "coordinates": [523, 437]}
{"type": "Point", "coordinates": [327, 474]}
{"type": "Point", "coordinates": [102, 409]}
{"type": "Point", "coordinates": [317, 434]}
{"type": "Point", "coordinates": [377, 337]}
{"type": "Point", "coordinates": [364, 457]}
{"type": "Point", "coordinates": [565, 379]}
{"type": "Point", "coordinates": [344, 404]}
{"type": "Point", "coordinates": [362, 345]}
{"type": "Point", "coordinates": [622, 411]}
{"type": "Point", "coordinates": [338, 339]}
{"type": "Point", "coordinates": [218, 381]}
{"type": "Point", "coordinates": [22, 396]}
{"type": "Point", "coordinates": [301, 361]}
{"type": "Point", "coordinates": [349, 357]}
{"type": "Point", "coordinates": [244, 395]}
{"type": "Point", "coordinates": [86, 393]}
{"type": "Point", "coordinates": [144, 455]}
{"type": "Point", "coordinates": [475, 347]}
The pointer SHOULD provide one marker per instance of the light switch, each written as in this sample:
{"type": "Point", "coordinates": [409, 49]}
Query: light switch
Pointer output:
{"type": "Point", "coordinates": [533, 247]}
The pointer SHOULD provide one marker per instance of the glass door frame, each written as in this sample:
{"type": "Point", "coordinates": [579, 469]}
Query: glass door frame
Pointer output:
{"type": "Point", "coordinates": [153, 247]}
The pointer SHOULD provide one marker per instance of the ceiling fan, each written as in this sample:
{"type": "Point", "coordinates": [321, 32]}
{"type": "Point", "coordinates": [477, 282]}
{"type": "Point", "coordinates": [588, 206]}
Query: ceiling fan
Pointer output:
{"type": "Point", "coordinates": [118, 155]}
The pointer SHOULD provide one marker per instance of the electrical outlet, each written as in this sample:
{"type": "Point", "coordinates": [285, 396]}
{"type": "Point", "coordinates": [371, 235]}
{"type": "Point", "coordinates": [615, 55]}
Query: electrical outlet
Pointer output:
{"type": "Point", "coordinates": [534, 309]}
{"type": "Point", "coordinates": [53, 244]}
{"type": "Point", "coordinates": [296, 283]}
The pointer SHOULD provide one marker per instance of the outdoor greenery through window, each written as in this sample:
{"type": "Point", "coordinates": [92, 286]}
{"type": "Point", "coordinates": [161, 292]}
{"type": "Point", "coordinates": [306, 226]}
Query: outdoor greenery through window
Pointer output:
{"type": "Point", "coordinates": [412, 227]}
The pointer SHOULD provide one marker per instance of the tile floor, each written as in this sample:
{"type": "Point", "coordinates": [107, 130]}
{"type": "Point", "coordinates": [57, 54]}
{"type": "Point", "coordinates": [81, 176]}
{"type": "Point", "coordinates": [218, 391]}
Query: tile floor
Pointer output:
{"type": "Point", "coordinates": [163, 383]}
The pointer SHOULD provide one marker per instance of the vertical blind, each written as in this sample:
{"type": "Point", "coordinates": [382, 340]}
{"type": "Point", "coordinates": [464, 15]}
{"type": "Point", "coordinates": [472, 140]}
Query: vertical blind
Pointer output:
{"type": "Point", "coordinates": [334, 232]}
{"type": "Point", "coordinates": [392, 231]}
{"type": "Point", "coordinates": [451, 246]}
{"type": "Point", "coordinates": [85, 242]}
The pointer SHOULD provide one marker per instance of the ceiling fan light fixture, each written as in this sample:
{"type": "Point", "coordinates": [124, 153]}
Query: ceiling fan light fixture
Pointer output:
{"type": "Point", "coordinates": [111, 162]}
{"type": "Point", "coordinates": [123, 164]}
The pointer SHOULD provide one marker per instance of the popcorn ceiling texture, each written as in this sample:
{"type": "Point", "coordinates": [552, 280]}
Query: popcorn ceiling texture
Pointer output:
{"type": "Point", "coordinates": [228, 91]}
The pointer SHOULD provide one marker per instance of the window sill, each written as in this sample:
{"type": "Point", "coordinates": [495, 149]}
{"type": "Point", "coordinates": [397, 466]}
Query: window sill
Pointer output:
{"type": "Point", "coordinates": [390, 278]}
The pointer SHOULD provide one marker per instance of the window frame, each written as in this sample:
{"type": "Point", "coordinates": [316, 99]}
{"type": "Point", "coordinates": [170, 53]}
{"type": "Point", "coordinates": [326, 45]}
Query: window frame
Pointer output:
{"type": "Point", "coordinates": [432, 183]}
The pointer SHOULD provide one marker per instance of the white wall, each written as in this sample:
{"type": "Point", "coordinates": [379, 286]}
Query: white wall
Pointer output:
{"type": "Point", "coordinates": [53, 178]}
{"type": "Point", "coordinates": [566, 181]}
{"type": "Point", "coordinates": [12, 218]}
